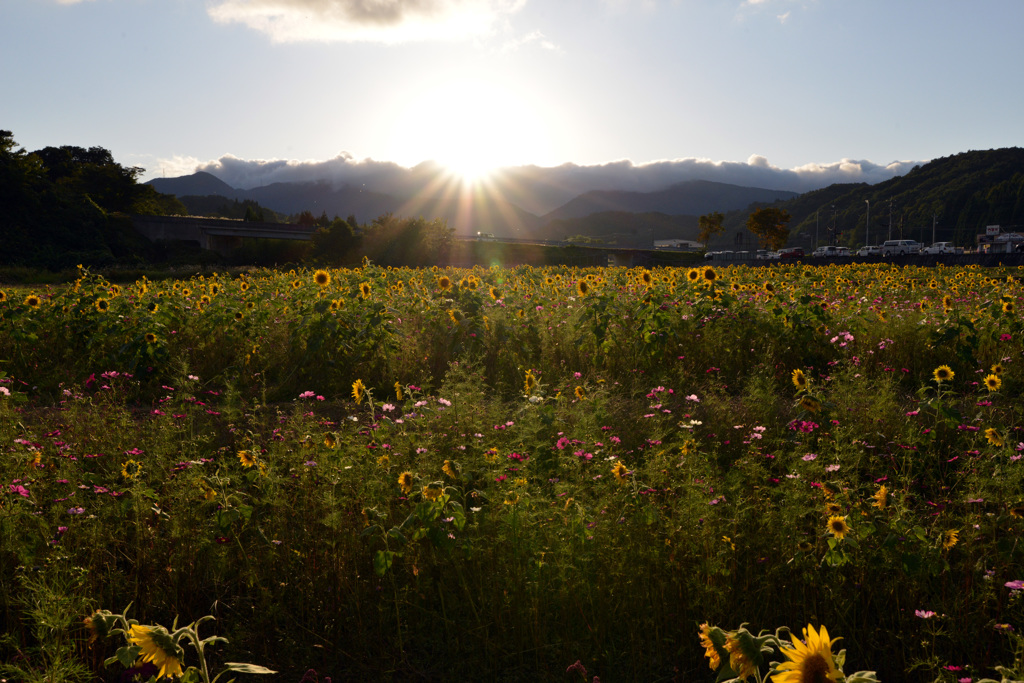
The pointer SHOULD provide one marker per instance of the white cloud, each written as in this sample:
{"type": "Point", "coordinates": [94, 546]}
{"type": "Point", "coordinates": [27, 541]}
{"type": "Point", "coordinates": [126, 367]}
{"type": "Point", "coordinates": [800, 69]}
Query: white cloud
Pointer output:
{"type": "Point", "coordinates": [385, 21]}
{"type": "Point", "coordinates": [782, 17]}
{"type": "Point", "coordinates": [533, 37]}
{"type": "Point", "coordinates": [541, 189]}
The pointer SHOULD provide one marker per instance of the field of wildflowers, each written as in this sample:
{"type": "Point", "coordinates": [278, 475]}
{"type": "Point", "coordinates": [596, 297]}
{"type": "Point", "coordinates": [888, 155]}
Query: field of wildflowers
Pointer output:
{"type": "Point", "coordinates": [516, 474]}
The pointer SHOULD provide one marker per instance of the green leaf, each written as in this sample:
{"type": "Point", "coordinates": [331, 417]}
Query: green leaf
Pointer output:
{"type": "Point", "coordinates": [126, 655]}
{"type": "Point", "coordinates": [382, 561]}
{"type": "Point", "coordinates": [243, 668]}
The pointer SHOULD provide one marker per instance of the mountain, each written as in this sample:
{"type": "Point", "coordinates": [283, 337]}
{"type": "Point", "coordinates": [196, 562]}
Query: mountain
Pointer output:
{"type": "Point", "coordinates": [429, 191]}
{"type": "Point", "coordinates": [958, 195]}
{"type": "Point", "coordinates": [691, 198]}
{"type": "Point", "coordinates": [198, 184]}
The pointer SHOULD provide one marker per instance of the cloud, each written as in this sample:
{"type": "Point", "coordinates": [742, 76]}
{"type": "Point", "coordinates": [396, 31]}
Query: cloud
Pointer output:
{"type": "Point", "coordinates": [530, 38]}
{"type": "Point", "coordinates": [385, 21]}
{"type": "Point", "coordinates": [539, 189]}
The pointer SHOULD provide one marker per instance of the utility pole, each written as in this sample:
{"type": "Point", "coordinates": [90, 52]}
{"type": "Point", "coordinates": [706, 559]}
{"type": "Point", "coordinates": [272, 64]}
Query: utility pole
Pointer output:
{"type": "Point", "coordinates": [867, 224]}
{"type": "Point", "coordinates": [935, 218]}
{"type": "Point", "coordinates": [890, 219]}
{"type": "Point", "coordinates": [815, 228]}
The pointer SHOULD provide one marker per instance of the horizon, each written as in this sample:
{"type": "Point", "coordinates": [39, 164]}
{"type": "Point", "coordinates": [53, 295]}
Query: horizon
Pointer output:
{"type": "Point", "coordinates": [805, 92]}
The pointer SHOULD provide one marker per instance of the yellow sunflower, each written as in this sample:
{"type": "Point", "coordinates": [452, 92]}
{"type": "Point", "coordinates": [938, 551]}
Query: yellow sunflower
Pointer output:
{"type": "Point", "coordinates": [950, 538]}
{"type": "Point", "coordinates": [246, 458]}
{"type": "Point", "coordinates": [992, 382]}
{"type": "Point", "coordinates": [364, 290]}
{"type": "Point", "coordinates": [799, 379]}
{"type": "Point", "coordinates": [579, 393]}
{"type": "Point", "coordinates": [621, 472]}
{"type": "Point", "coordinates": [582, 287]}
{"type": "Point", "coordinates": [405, 482]}
{"type": "Point", "coordinates": [151, 338]}
{"type": "Point", "coordinates": [997, 369]}
{"type": "Point", "coordinates": [810, 661]}
{"type": "Point", "coordinates": [322, 278]}
{"type": "Point", "coordinates": [837, 526]}
{"type": "Point", "coordinates": [102, 305]}
{"type": "Point", "coordinates": [810, 404]}
{"type": "Point", "coordinates": [714, 661]}
{"type": "Point", "coordinates": [529, 382]}
{"type": "Point", "coordinates": [994, 437]}
{"type": "Point", "coordinates": [131, 469]}
{"type": "Point", "coordinates": [33, 301]}
{"type": "Point", "coordinates": [739, 662]}
{"type": "Point", "coordinates": [158, 648]}
{"type": "Point", "coordinates": [358, 390]}
{"type": "Point", "coordinates": [943, 373]}
{"type": "Point", "coordinates": [432, 492]}
{"type": "Point", "coordinates": [881, 497]}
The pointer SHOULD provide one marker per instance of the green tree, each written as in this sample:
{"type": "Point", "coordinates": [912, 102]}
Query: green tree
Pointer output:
{"type": "Point", "coordinates": [710, 224]}
{"type": "Point", "coordinates": [771, 225]}
{"type": "Point", "coordinates": [330, 244]}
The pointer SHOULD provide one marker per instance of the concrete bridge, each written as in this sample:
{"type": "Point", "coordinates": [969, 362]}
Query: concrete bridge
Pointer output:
{"type": "Point", "coordinates": [221, 235]}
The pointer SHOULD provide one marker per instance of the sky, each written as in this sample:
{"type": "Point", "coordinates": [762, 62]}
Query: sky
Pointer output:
{"type": "Point", "coordinates": [811, 91]}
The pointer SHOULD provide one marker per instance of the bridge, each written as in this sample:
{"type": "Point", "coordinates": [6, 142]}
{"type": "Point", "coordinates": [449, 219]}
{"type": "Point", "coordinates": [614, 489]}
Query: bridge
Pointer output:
{"type": "Point", "coordinates": [221, 235]}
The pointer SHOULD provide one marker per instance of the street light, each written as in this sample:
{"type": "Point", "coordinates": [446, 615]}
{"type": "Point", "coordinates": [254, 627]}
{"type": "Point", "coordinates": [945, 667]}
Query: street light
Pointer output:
{"type": "Point", "coordinates": [867, 224]}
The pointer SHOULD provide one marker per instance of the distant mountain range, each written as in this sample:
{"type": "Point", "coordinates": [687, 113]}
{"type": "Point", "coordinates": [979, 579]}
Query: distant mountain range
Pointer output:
{"type": "Point", "coordinates": [484, 208]}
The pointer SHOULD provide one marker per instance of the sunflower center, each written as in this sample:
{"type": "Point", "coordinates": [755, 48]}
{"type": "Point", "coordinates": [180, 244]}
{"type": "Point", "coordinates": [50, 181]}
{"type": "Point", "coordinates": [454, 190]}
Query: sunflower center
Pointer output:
{"type": "Point", "coordinates": [814, 669]}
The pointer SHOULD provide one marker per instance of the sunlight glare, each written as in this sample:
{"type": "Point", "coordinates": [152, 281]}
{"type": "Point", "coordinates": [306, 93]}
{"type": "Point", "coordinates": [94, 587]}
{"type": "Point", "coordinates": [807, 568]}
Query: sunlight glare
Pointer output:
{"type": "Point", "coordinates": [472, 127]}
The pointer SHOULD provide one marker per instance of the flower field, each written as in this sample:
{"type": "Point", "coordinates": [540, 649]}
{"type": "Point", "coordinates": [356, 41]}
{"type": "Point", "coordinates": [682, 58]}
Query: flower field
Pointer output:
{"type": "Point", "coordinates": [516, 474]}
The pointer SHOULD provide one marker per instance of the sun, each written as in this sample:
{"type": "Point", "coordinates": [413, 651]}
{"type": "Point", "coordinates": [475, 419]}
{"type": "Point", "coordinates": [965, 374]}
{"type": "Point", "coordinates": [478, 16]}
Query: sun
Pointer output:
{"type": "Point", "coordinates": [470, 125]}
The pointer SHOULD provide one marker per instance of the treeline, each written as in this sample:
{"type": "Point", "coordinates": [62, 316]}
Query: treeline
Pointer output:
{"type": "Point", "coordinates": [68, 205]}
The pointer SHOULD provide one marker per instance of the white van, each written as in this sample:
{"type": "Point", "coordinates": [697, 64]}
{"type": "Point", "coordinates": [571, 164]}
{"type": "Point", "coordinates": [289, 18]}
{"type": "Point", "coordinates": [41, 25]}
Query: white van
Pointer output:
{"type": "Point", "coordinates": [900, 247]}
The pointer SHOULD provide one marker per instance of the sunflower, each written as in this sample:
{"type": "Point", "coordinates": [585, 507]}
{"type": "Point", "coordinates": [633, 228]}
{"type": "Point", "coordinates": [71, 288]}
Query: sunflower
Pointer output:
{"type": "Point", "coordinates": [689, 447]}
{"type": "Point", "coordinates": [833, 508]}
{"type": "Point", "coordinates": [994, 437]}
{"type": "Point", "coordinates": [322, 278]}
{"type": "Point", "coordinates": [405, 482]}
{"type": "Point", "coordinates": [494, 292]}
{"type": "Point", "coordinates": [881, 497]}
{"type": "Point", "coordinates": [739, 662]}
{"type": "Point", "coordinates": [1017, 510]}
{"type": "Point", "coordinates": [449, 470]}
{"type": "Point", "coordinates": [157, 647]}
{"type": "Point", "coordinates": [799, 379]}
{"type": "Point", "coordinates": [102, 305]}
{"type": "Point", "coordinates": [33, 301]}
{"type": "Point", "coordinates": [3, 296]}
{"type": "Point", "coordinates": [810, 661]}
{"type": "Point", "coordinates": [246, 458]}
{"type": "Point", "coordinates": [709, 274]}
{"type": "Point", "coordinates": [943, 373]}
{"type": "Point", "coordinates": [992, 382]}
{"type": "Point", "coordinates": [529, 382]}
{"type": "Point", "coordinates": [151, 338]}
{"type": "Point", "coordinates": [432, 492]}
{"type": "Point", "coordinates": [837, 526]}
{"type": "Point", "coordinates": [152, 307]}
{"type": "Point", "coordinates": [646, 278]}
{"type": "Point", "coordinates": [329, 440]}
{"type": "Point", "coordinates": [947, 303]}
{"type": "Point", "coordinates": [131, 469]}
{"type": "Point", "coordinates": [693, 275]}
{"type": "Point", "coordinates": [997, 369]}
{"type": "Point", "coordinates": [950, 538]}
{"type": "Point", "coordinates": [1008, 307]}
{"type": "Point", "coordinates": [714, 661]}
{"type": "Point", "coordinates": [582, 287]}
{"type": "Point", "coordinates": [621, 472]}
{"type": "Point", "coordinates": [296, 283]}
{"type": "Point", "coordinates": [214, 289]}
{"type": "Point", "coordinates": [579, 393]}
{"type": "Point", "coordinates": [244, 286]}
{"type": "Point", "coordinates": [358, 390]}
{"type": "Point", "coordinates": [239, 316]}
{"type": "Point", "coordinates": [398, 391]}
{"type": "Point", "coordinates": [810, 404]}
{"type": "Point", "coordinates": [444, 283]}
{"type": "Point", "coordinates": [364, 290]}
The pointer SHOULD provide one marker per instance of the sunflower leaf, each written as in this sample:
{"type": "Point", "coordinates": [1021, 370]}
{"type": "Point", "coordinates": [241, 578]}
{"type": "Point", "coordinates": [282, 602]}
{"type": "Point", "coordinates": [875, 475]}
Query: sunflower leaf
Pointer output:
{"type": "Point", "coordinates": [244, 668]}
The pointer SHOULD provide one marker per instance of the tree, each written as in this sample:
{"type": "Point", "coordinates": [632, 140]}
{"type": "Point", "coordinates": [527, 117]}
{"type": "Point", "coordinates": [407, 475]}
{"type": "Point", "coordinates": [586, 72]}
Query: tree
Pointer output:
{"type": "Point", "coordinates": [330, 244]}
{"type": "Point", "coordinates": [710, 224]}
{"type": "Point", "coordinates": [771, 226]}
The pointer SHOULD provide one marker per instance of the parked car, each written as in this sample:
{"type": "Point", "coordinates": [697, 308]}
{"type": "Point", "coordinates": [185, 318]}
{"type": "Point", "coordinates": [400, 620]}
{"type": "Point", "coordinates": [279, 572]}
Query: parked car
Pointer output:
{"type": "Point", "coordinates": [791, 252]}
{"type": "Point", "coordinates": [900, 247]}
{"type": "Point", "coordinates": [942, 248]}
{"type": "Point", "coordinates": [843, 252]}
{"type": "Point", "coordinates": [869, 250]}
{"type": "Point", "coordinates": [830, 252]}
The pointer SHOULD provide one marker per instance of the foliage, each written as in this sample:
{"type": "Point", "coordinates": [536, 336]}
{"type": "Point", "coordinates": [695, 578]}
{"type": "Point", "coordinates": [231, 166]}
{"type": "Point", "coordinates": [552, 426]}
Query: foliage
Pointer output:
{"type": "Point", "coordinates": [770, 224]}
{"type": "Point", "coordinates": [489, 473]}
{"type": "Point", "coordinates": [710, 225]}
